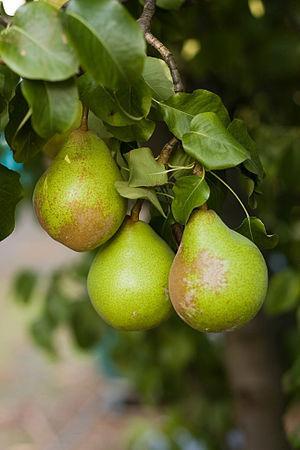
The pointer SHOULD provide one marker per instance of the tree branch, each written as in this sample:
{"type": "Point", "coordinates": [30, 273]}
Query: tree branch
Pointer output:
{"type": "Point", "coordinates": [168, 58]}
{"type": "Point", "coordinates": [145, 23]}
{"type": "Point", "coordinates": [147, 14]}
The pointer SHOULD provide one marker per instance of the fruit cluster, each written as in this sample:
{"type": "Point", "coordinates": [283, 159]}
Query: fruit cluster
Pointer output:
{"type": "Point", "coordinates": [216, 282]}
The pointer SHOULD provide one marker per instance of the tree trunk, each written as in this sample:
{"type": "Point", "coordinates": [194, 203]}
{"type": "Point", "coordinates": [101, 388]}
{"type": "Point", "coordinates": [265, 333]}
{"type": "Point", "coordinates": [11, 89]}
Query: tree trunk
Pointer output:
{"type": "Point", "coordinates": [254, 377]}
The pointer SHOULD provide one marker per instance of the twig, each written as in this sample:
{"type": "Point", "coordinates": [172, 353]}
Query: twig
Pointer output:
{"type": "Point", "coordinates": [167, 151]}
{"type": "Point", "coordinates": [168, 58]}
{"type": "Point", "coordinates": [145, 23]}
{"type": "Point", "coordinates": [147, 14]}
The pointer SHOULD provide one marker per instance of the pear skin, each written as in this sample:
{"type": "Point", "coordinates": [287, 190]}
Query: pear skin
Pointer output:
{"type": "Point", "coordinates": [218, 280]}
{"type": "Point", "coordinates": [128, 280]}
{"type": "Point", "coordinates": [75, 200]}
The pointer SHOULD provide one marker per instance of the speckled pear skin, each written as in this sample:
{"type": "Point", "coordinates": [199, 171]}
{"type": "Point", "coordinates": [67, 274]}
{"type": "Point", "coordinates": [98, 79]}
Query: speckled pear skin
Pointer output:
{"type": "Point", "coordinates": [75, 200]}
{"type": "Point", "coordinates": [218, 280]}
{"type": "Point", "coordinates": [128, 279]}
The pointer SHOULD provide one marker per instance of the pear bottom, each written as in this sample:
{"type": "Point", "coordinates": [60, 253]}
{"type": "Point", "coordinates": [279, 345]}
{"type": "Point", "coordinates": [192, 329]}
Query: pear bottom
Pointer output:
{"type": "Point", "coordinates": [218, 280]}
{"type": "Point", "coordinates": [128, 280]}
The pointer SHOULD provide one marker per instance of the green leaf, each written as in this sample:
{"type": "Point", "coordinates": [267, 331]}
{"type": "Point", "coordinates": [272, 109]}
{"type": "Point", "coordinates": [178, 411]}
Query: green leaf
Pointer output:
{"type": "Point", "coordinates": [10, 194]}
{"type": "Point", "coordinates": [170, 4]}
{"type": "Point", "coordinates": [283, 293]}
{"type": "Point", "coordinates": [218, 193]}
{"type": "Point", "coordinates": [35, 46]}
{"type": "Point", "coordinates": [144, 170]}
{"type": "Point", "coordinates": [135, 101]}
{"type": "Point", "coordinates": [190, 192]}
{"type": "Point", "coordinates": [21, 137]}
{"type": "Point", "coordinates": [102, 102]}
{"type": "Point", "coordinates": [120, 160]}
{"type": "Point", "coordinates": [140, 132]}
{"type": "Point", "coordinates": [8, 83]}
{"type": "Point", "coordinates": [239, 130]}
{"type": "Point", "coordinates": [109, 42]}
{"type": "Point", "coordinates": [158, 77]}
{"type": "Point", "coordinates": [54, 105]}
{"type": "Point", "coordinates": [209, 142]}
{"type": "Point", "coordinates": [135, 193]}
{"type": "Point", "coordinates": [180, 159]}
{"type": "Point", "coordinates": [179, 110]}
{"type": "Point", "coordinates": [258, 233]}
{"type": "Point", "coordinates": [24, 285]}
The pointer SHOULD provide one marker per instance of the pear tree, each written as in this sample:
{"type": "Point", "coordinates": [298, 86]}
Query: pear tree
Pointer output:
{"type": "Point", "coordinates": [86, 88]}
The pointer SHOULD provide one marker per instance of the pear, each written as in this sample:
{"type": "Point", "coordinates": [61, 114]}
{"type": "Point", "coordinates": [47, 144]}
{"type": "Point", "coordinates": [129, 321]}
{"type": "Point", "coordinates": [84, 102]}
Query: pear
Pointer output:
{"type": "Point", "coordinates": [218, 280]}
{"type": "Point", "coordinates": [128, 279]}
{"type": "Point", "coordinates": [75, 199]}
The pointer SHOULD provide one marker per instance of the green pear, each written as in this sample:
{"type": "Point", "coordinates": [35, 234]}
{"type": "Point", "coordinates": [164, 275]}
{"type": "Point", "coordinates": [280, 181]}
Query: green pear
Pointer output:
{"type": "Point", "coordinates": [218, 280]}
{"type": "Point", "coordinates": [75, 199]}
{"type": "Point", "coordinates": [128, 279]}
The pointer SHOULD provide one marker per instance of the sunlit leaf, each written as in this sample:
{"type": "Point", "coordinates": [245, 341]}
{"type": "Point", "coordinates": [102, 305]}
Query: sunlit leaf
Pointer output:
{"type": "Point", "coordinates": [108, 40]}
{"type": "Point", "coordinates": [35, 46]}
{"type": "Point", "coordinates": [209, 142]}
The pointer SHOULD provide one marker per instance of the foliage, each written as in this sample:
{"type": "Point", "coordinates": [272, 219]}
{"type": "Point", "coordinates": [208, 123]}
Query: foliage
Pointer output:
{"type": "Point", "coordinates": [128, 91]}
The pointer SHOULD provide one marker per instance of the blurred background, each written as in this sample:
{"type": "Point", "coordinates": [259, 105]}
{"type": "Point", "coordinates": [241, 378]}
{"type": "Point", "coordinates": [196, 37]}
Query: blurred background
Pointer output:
{"type": "Point", "coordinates": [69, 382]}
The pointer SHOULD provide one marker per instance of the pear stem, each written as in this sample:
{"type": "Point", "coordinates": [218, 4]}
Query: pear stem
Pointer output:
{"type": "Point", "coordinates": [136, 209]}
{"type": "Point", "coordinates": [85, 118]}
{"type": "Point", "coordinates": [177, 232]}
{"type": "Point", "coordinates": [198, 170]}
{"type": "Point", "coordinates": [167, 151]}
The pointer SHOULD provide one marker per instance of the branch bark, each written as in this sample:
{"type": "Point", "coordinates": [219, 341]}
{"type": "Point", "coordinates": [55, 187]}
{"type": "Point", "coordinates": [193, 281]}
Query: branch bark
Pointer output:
{"type": "Point", "coordinates": [147, 15]}
{"type": "Point", "coordinates": [254, 376]}
{"type": "Point", "coordinates": [145, 23]}
{"type": "Point", "coordinates": [168, 57]}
